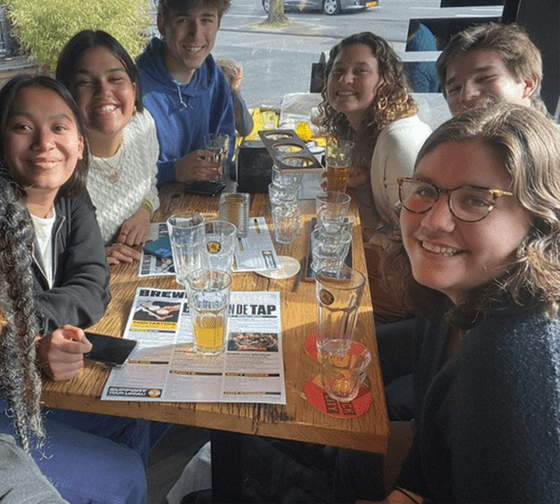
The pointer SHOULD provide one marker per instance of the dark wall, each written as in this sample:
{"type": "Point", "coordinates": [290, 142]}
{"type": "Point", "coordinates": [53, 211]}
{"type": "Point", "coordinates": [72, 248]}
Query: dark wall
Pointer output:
{"type": "Point", "coordinates": [541, 18]}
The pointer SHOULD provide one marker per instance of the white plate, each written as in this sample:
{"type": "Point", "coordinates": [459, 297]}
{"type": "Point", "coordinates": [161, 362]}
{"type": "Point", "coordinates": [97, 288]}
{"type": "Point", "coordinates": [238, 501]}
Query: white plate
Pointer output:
{"type": "Point", "coordinates": [288, 268]}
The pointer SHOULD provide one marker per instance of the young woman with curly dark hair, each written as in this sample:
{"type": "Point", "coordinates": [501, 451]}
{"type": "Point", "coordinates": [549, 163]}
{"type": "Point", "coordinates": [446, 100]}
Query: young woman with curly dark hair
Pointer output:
{"type": "Point", "coordinates": [366, 100]}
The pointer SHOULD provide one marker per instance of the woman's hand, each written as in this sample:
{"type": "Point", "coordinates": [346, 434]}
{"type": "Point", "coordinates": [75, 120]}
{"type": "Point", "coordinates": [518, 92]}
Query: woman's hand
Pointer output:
{"type": "Point", "coordinates": [235, 84]}
{"type": "Point", "coordinates": [197, 165]}
{"type": "Point", "coordinates": [118, 252]}
{"type": "Point", "coordinates": [358, 176]}
{"type": "Point", "coordinates": [136, 230]}
{"type": "Point", "coordinates": [61, 354]}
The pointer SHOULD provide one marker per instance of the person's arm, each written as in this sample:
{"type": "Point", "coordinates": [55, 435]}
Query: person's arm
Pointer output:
{"type": "Point", "coordinates": [22, 480]}
{"type": "Point", "coordinates": [136, 229]}
{"type": "Point", "coordinates": [80, 293]}
{"type": "Point", "coordinates": [243, 118]}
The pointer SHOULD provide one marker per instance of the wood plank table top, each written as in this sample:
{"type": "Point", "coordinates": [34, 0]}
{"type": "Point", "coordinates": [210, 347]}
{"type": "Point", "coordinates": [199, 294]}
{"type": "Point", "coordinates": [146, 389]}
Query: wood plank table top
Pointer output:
{"type": "Point", "coordinates": [297, 420]}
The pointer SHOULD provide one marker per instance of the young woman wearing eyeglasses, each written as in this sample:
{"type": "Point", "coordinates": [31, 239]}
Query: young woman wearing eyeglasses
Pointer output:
{"type": "Point", "coordinates": [480, 223]}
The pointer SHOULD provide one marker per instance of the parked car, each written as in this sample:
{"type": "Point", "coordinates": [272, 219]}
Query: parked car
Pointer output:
{"type": "Point", "coordinates": [329, 7]}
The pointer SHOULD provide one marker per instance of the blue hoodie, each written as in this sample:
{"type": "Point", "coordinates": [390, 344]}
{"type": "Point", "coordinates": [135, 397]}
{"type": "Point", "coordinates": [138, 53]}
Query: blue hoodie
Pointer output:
{"type": "Point", "coordinates": [184, 113]}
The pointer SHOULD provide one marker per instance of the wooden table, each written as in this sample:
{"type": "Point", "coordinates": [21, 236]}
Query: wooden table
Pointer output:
{"type": "Point", "coordinates": [297, 420]}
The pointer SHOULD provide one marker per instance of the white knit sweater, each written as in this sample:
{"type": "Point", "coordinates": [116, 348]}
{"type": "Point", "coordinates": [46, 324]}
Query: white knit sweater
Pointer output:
{"type": "Point", "coordinates": [116, 202]}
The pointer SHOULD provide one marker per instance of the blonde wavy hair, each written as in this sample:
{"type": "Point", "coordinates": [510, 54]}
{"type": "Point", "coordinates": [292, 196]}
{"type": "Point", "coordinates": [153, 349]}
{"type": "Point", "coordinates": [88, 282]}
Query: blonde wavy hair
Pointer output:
{"type": "Point", "coordinates": [529, 145]}
{"type": "Point", "coordinates": [392, 100]}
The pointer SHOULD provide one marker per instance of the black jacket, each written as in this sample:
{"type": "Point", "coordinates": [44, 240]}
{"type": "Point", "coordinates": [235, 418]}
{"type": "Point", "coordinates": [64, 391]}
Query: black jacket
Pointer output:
{"type": "Point", "coordinates": [80, 292]}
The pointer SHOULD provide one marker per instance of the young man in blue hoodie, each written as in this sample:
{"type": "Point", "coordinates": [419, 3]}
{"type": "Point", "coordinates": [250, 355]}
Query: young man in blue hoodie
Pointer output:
{"type": "Point", "coordinates": [184, 90]}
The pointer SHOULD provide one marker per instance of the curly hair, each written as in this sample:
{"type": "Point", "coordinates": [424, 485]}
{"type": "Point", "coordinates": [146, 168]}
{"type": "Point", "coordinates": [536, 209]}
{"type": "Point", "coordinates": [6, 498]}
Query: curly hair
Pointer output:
{"type": "Point", "coordinates": [529, 145]}
{"type": "Point", "coordinates": [392, 100]}
{"type": "Point", "coordinates": [20, 380]}
{"type": "Point", "coordinates": [76, 184]}
{"type": "Point", "coordinates": [511, 42]}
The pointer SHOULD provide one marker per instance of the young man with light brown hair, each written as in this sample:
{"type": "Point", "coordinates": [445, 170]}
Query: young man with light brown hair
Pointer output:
{"type": "Point", "coordinates": [491, 62]}
{"type": "Point", "coordinates": [184, 90]}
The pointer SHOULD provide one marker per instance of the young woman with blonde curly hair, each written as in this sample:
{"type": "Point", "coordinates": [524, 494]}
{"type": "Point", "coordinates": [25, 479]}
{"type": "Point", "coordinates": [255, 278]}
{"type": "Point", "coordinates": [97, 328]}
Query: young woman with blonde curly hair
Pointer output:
{"type": "Point", "coordinates": [366, 99]}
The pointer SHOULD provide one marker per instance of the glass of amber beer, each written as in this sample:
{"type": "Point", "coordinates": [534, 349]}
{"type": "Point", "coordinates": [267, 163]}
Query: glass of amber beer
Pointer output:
{"type": "Point", "coordinates": [338, 154]}
{"type": "Point", "coordinates": [209, 292]}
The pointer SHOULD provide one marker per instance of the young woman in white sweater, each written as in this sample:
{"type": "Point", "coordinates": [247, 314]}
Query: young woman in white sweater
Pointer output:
{"type": "Point", "coordinates": [122, 138]}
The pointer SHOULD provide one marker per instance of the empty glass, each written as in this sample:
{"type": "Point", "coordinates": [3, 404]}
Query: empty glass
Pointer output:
{"type": "Point", "coordinates": [339, 294]}
{"type": "Point", "coordinates": [218, 246]}
{"type": "Point", "coordinates": [329, 251]}
{"type": "Point", "coordinates": [287, 223]}
{"type": "Point", "coordinates": [186, 231]}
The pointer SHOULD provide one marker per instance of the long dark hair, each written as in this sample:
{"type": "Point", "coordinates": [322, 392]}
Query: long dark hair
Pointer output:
{"type": "Point", "coordinates": [76, 184]}
{"type": "Point", "coordinates": [82, 42]}
{"type": "Point", "coordinates": [20, 381]}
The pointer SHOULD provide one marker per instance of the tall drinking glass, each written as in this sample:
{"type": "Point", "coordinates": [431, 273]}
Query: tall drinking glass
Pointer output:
{"type": "Point", "coordinates": [339, 294]}
{"type": "Point", "coordinates": [209, 293]}
{"type": "Point", "coordinates": [218, 143]}
{"type": "Point", "coordinates": [186, 231]}
{"type": "Point", "coordinates": [338, 155]}
{"type": "Point", "coordinates": [218, 246]}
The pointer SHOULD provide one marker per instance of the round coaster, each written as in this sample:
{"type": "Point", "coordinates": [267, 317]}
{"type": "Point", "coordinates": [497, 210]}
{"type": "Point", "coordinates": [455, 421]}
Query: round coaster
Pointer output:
{"type": "Point", "coordinates": [321, 401]}
{"type": "Point", "coordinates": [288, 268]}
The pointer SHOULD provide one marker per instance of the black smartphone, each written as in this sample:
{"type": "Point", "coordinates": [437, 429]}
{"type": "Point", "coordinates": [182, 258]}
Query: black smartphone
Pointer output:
{"type": "Point", "coordinates": [160, 248]}
{"type": "Point", "coordinates": [108, 350]}
{"type": "Point", "coordinates": [205, 188]}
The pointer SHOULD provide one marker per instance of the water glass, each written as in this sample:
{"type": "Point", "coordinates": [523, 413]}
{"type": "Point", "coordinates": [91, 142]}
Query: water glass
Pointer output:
{"type": "Point", "coordinates": [209, 294]}
{"type": "Point", "coordinates": [329, 250]}
{"type": "Point", "coordinates": [283, 179]}
{"type": "Point", "coordinates": [283, 195]}
{"type": "Point", "coordinates": [186, 232]}
{"type": "Point", "coordinates": [335, 204]}
{"type": "Point", "coordinates": [218, 246]}
{"type": "Point", "coordinates": [218, 143]}
{"type": "Point", "coordinates": [333, 225]}
{"type": "Point", "coordinates": [343, 369]}
{"type": "Point", "coordinates": [234, 208]}
{"type": "Point", "coordinates": [287, 223]}
{"type": "Point", "coordinates": [339, 294]}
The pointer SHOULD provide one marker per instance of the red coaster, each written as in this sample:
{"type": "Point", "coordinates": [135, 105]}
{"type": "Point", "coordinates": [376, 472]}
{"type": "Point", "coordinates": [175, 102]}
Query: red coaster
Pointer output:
{"type": "Point", "coordinates": [321, 401]}
{"type": "Point", "coordinates": [311, 347]}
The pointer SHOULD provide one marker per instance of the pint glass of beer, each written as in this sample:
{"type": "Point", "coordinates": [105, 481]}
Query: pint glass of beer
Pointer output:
{"type": "Point", "coordinates": [338, 154]}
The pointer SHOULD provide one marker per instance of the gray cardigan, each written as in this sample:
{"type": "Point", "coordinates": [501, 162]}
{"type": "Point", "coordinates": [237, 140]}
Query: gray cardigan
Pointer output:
{"type": "Point", "coordinates": [21, 481]}
{"type": "Point", "coordinates": [488, 422]}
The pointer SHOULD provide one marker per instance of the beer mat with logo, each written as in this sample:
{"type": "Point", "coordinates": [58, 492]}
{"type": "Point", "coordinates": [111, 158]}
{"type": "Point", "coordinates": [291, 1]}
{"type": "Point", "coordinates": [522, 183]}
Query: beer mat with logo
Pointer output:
{"type": "Point", "coordinates": [321, 401]}
{"type": "Point", "coordinates": [309, 273]}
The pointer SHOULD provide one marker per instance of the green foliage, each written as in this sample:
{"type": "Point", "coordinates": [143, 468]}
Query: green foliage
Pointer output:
{"type": "Point", "coordinates": [43, 27]}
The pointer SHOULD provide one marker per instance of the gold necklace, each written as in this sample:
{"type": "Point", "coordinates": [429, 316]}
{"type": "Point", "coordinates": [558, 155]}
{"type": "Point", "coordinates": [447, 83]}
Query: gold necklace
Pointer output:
{"type": "Point", "coordinates": [113, 171]}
